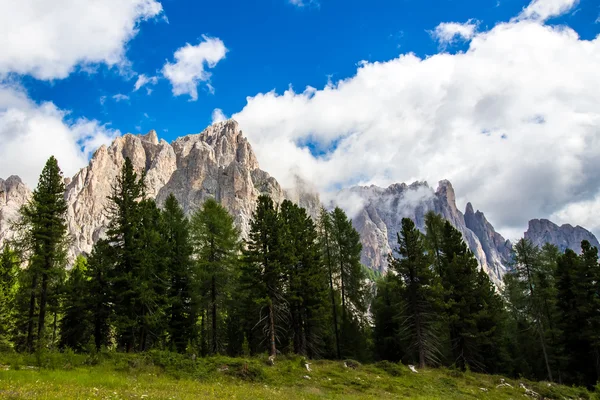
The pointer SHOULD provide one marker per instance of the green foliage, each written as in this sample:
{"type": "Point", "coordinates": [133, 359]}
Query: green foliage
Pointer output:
{"type": "Point", "coordinates": [43, 238]}
{"type": "Point", "coordinates": [9, 269]}
{"type": "Point", "coordinates": [421, 296]}
{"type": "Point", "coordinates": [263, 277]}
{"type": "Point", "coordinates": [216, 247]}
{"type": "Point", "coordinates": [76, 322]}
{"type": "Point", "coordinates": [181, 275]}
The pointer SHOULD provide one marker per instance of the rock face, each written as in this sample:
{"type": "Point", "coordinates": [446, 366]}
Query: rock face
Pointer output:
{"type": "Point", "coordinates": [13, 194]}
{"type": "Point", "coordinates": [541, 231]}
{"type": "Point", "coordinates": [219, 163]}
{"type": "Point", "coordinates": [380, 212]}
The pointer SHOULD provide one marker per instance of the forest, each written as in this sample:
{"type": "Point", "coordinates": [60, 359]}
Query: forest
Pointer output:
{"type": "Point", "coordinates": [161, 280]}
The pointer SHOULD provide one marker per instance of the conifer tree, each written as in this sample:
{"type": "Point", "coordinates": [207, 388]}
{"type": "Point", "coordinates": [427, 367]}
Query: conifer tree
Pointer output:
{"type": "Point", "coordinates": [307, 279]}
{"type": "Point", "coordinates": [527, 266]}
{"type": "Point", "coordinates": [351, 279]}
{"type": "Point", "coordinates": [9, 269]}
{"type": "Point", "coordinates": [124, 236]}
{"type": "Point", "coordinates": [44, 238]}
{"type": "Point", "coordinates": [76, 324]}
{"type": "Point", "coordinates": [216, 247]}
{"type": "Point", "coordinates": [99, 292]}
{"type": "Point", "coordinates": [180, 270]}
{"type": "Point", "coordinates": [421, 294]}
{"type": "Point", "coordinates": [329, 255]}
{"type": "Point", "coordinates": [262, 274]}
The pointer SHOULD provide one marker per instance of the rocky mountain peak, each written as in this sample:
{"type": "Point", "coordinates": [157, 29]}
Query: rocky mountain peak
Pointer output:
{"type": "Point", "coordinates": [541, 231]}
{"type": "Point", "coordinates": [151, 137]}
{"type": "Point", "coordinates": [13, 194]}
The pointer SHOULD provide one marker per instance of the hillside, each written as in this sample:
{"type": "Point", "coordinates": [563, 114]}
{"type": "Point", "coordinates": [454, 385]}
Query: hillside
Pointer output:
{"type": "Point", "coordinates": [160, 375]}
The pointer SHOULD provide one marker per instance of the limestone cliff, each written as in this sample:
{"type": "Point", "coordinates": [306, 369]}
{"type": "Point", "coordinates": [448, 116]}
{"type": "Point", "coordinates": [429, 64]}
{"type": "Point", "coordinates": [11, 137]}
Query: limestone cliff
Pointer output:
{"type": "Point", "coordinates": [541, 231]}
{"type": "Point", "coordinates": [380, 212]}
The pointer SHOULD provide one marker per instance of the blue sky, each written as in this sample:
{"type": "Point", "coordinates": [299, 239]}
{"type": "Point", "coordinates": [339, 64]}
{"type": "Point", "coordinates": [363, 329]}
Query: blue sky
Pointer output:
{"type": "Point", "coordinates": [499, 96]}
{"type": "Point", "coordinates": [272, 44]}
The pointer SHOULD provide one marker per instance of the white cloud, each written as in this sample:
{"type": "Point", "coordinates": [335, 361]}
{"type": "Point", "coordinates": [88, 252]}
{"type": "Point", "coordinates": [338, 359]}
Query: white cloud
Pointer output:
{"type": "Point", "coordinates": [218, 116]}
{"type": "Point", "coordinates": [513, 123]}
{"type": "Point", "coordinates": [304, 3]}
{"type": "Point", "coordinates": [544, 9]}
{"type": "Point", "coordinates": [48, 39]}
{"type": "Point", "coordinates": [189, 68]}
{"type": "Point", "coordinates": [120, 97]}
{"type": "Point", "coordinates": [30, 133]}
{"type": "Point", "coordinates": [449, 32]}
{"type": "Point", "coordinates": [143, 80]}
{"type": "Point", "coordinates": [102, 100]}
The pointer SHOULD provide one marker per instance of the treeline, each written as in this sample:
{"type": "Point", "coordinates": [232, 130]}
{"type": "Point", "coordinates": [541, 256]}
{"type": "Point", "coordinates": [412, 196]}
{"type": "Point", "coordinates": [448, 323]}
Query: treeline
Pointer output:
{"type": "Point", "coordinates": [159, 280]}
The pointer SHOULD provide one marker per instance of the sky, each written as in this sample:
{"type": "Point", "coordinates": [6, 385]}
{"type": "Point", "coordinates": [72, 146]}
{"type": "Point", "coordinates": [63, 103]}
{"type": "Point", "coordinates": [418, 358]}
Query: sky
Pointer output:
{"type": "Point", "coordinates": [501, 97]}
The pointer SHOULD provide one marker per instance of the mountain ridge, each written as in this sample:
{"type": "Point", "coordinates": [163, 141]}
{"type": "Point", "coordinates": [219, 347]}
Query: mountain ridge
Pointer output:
{"type": "Point", "coordinates": [219, 162]}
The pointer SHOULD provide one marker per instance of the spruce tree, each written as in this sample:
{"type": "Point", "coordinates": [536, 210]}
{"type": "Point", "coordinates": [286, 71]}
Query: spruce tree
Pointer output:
{"type": "Point", "coordinates": [124, 236]}
{"type": "Point", "coordinates": [351, 279]}
{"type": "Point", "coordinates": [527, 266]}
{"type": "Point", "coordinates": [99, 292]}
{"type": "Point", "coordinates": [421, 295]}
{"type": "Point", "coordinates": [262, 274]}
{"type": "Point", "coordinates": [45, 239]}
{"type": "Point", "coordinates": [307, 278]}
{"type": "Point", "coordinates": [329, 255]}
{"type": "Point", "coordinates": [76, 322]}
{"type": "Point", "coordinates": [180, 270]}
{"type": "Point", "coordinates": [9, 269]}
{"type": "Point", "coordinates": [216, 247]}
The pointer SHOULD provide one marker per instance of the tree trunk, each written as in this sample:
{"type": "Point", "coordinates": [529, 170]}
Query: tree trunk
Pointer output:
{"type": "Point", "coordinates": [273, 349]}
{"type": "Point", "coordinates": [43, 302]}
{"type": "Point", "coordinates": [54, 329]}
{"type": "Point", "coordinates": [214, 314]}
{"type": "Point", "coordinates": [31, 314]}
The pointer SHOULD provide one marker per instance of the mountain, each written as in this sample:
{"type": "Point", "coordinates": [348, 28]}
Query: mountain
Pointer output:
{"type": "Point", "coordinates": [219, 162]}
{"type": "Point", "coordinates": [541, 231]}
{"type": "Point", "coordinates": [13, 194]}
{"type": "Point", "coordinates": [378, 213]}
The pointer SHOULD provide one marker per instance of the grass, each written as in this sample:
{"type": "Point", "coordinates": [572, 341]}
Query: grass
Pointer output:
{"type": "Point", "coordinates": [163, 375]}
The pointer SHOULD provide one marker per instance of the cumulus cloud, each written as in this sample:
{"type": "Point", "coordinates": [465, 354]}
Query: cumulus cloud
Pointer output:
{"type": "Point", "coordinates": [513, 123]}
{"type": "Point", "coordinates": [120, 97]}
{"type": "Point", "coordinates": [144, 80]}
{"type": "Point", "coordinates": [30, 133]}
{"type": "Point", "coordinates": [189, 68]}
{"type": "Point", "coordinates": [218, 116]}
{"type": "Point", "coordinates": [449, 32]}
{"type": "Point", "coordinates": [49, 39]}
{"type": "Point", "coordinates": [545, 9]}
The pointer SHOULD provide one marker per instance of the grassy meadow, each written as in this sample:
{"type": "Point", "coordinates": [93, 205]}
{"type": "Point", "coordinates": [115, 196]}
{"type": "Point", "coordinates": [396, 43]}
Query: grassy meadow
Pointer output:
{"type": "Point", "coordinates": [164, 375]}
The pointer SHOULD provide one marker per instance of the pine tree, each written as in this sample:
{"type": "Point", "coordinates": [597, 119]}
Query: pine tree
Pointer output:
{"type": "Point", "coordinates": [421, 294]}
{"type": "Point", "coordinates": [262, 273]}
{"type": "Point", "coordinates": [307, 279]}
{"type": "Point", "coordinates": [44, 238]}
{"type": "Point", "coordinates": [216, 247]}
{"type": "Point", "coordinates": [329, 256]}
{"type": "Point", "coordinates": [178, 256]}
{"type": "Point", "coordinates": [9, 268]}
{"type": "Point", "coordinates": [124, 236]}
{"type": "Point", "coordinates": [351, 277]}
{"type": "Point", "coordinates": [99, 292]}
{"type": "Point", "coordinates": [386, 319]}
{"type": "Point", "coordinates": [578, 289]}
{"type": "Point", "coordinates": [527, 266]}
{"type": "Point", "coordinates": [76, 323]}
